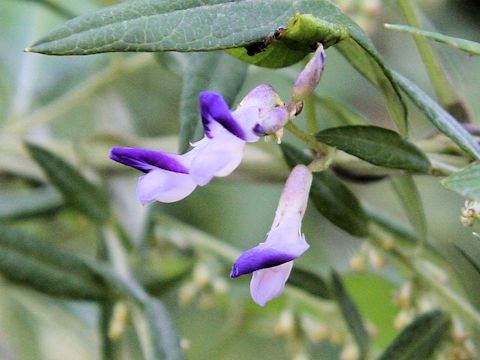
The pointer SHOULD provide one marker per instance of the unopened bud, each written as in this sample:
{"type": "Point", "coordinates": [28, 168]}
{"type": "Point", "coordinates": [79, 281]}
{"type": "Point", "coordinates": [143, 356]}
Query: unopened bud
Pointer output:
{"type": "Point", "coordinates": [358, 263]}
{"type": "Point", "coordinates": [185, 344]}
{"type": "Point", "coordinates": [118, 321]}
{"type": "Point", "coordinates": [186, 293]}
{"type": "Point", "coordinates": [286, 324]}
{"type": "Point", "coordinates": [350, 352]}
{"type": "Point", "coordinates": [425, 304]}
{"type": "Point", "coordinates": [404, 295]}
{"type": "Point", "coordinates": [376, 259]}
{"type": "Point", "coordinates": [470, 213]}
{"type": "Point", "coordinates": [310, 76]}
{"type": "Point", "coordinates": [201, 275]}
{"type": "Point", "coordinates": [403, 318]}
{"type": "Point", "coordinates": [315, 331]}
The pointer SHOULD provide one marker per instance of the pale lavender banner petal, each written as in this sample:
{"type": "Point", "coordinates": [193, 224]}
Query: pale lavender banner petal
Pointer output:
{"type": "Point", "coordinates": [263, 97]}
{"type": "Point", "coordinates": [269, 283]}
{"type": "Point", "coordinates": [148, 160]}
{"type": "Point", "coordinates": [213, 108]}
{"type": "Point", "coordinates": [164, 186]}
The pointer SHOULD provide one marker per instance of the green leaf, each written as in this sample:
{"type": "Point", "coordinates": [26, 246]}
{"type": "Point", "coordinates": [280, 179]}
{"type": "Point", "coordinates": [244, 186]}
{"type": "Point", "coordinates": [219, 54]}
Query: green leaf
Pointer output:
{"type": "Point", "coordinates": [468, 46]}
{"type": "Point", "coordinates": [470, 251]}
{"type": "Point", "coordinates": [28, 261]}
{"type": "Point", "coordinates": [76, 190]}
{"type": "Point", "coordinates": [439, 117]}
{"type": "Point", "coordinates": [55, 7]}
{"type": "Point", "coordinates": [376, 145]}
{"type": "Point", "coordinates": [309, 282]}
{"type": "Point", "coordinates": [341, 113]}
{"type": "Point", "coordinates": [465, 182]}
{"type": "Point", "coordinates": [29, 203]}
{"type": "Point", "coordinates": [207, 71]}
{"type": "Point", "coordinates": [351, 315]}
{"type": "Point", "coordinates": [419, 339]}
{"type": "Point", "coordinates": [409, 196]}
{"type": "Point", "coordinates": [331, 197]}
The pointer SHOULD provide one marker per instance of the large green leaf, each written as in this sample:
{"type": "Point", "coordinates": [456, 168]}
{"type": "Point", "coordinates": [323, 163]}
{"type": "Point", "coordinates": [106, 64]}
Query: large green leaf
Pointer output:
{"type": "Point", "coordinates": [331, 197]}
{"type": "Point", "coordinates": [376, 145]}
{"type": "Point", "coordinates": [26, 260]}
{"type": "Point", "coordinates": [23, 204]}
{"type": "Point", "coordinates": [465, 182]}
{"type": "Point", "coordinates": [207, 71]}
{"type": "Point", "coordinates": [419, 339]}
{"type": "Point", "coordinates": [76, 190]}
{"type": "Point", "coordinates": [351, 315]}
{"type": "Point", "coordinates": [409, 196]}
{"type": "Point", "coordinates": [439, 117]}
{"type": "Point", "coordinates": [468, 46]}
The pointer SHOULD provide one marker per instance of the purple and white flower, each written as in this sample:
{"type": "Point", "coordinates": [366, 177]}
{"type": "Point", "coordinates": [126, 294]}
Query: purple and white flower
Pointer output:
{"type": "Point", "coordinates": [271, 261]}
{"type": "Point", "coordinates": [171, 177]}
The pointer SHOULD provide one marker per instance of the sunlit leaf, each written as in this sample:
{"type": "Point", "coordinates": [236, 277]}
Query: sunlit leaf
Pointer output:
{"type": "Point", "coordinates": [376, 145]}
{"type": "Point", "coordinates": [468, 46]}
{"type": "Point", "coordinates": [331, 197]}
{"type": "Point", "coordinates": [420, 338]}
{"type": "Point", "coordinates": [76, 190]}
{"type": "Point", "coordinates": [351, 315]}
{"type": "Point", "coordinates": [213, 71]}
{"type": "Point", "coordinates": [465, 182]}
{"type": "Point", "coordinates": [439, 117]}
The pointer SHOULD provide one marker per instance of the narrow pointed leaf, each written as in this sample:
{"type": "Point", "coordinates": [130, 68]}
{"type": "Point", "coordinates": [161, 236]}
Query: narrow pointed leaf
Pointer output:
{"type": "Point", "coordinates": [24, 204]}
{"type": "Point", "coordinates": [30, 262]}
{"type": "Point", "coordinates": [213, 71]}
{"type": "Point", "coordinates": [468, 46]}
{"type": "Point", "coordinates": [351, 315]}
{"type": "Point", "coordinates": [439, 117]}
{"type": "Point", "coordinates": [331, 197]}
{"type": "Point", "coordinates": [376, 145]}
{"type": "Point", "coordinates": [75, 189]}
{"type": "Point", "coordinates": [309, 282]}
{"type": "Point", "coordinates": [465, 182]}
{"type": "Point", "coordinates": [409, 196]}
{"type": "Point", "coordinates": [419, 339]}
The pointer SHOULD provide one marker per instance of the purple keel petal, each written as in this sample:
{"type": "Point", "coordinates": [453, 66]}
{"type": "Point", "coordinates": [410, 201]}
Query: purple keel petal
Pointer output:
{"type": "Point", "coordinates": [213, 108]}
{"type": "Point", "coordinates": [164, 186]}
{"type": "Point", "coordinates": [148, 160]}
{"type": "Point", "coordinates": [269, 283]}
{"type": "Point", "coordinates": [259, 257]}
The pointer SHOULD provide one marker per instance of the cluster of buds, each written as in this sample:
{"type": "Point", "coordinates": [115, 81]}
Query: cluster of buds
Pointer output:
{"type": "Point", "coordinates": [204, 286]}
{"type": "Point", "coordinates": [470, 213]}
{"type": "Point", "coordinates": [366, 255]}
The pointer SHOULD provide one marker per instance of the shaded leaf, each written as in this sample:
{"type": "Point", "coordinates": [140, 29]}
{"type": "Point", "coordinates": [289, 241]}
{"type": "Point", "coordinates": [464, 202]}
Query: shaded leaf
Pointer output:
{"type": "Point", "coordinates": [29, 203]}
{"type": "Point", "coordinates": [28, 261]}
{"type": "Point", "coordinates": [468, 46]}
{"type": "Point", "coordinates": [331, 197]}
{"type": "Point", "coordinates": [420, 338]}
{"type": "Point", "coordinates": [351, 315]}
{"type": "Point", "coordinates": [465, 182]}
{"type": "Point", "coordinates": [207, 71]}
{"type": "Point", "coordinates": [376, 145]}
{"type": "Point", "coordinates": [76, 190]}
{"type": "Point", "coordinates": [439, 117]}
{"type": "Point", "coordinates": [473, 260]}
{"type": "Point", "coordinates": [309, 282]}
{"type": "Point", "coordinates": [409, 196]}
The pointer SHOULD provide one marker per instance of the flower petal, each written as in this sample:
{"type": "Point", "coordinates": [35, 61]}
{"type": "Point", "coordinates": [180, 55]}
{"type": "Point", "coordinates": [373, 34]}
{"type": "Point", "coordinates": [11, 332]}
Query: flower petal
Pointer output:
{"type": "Point", "coordinates": [269, 283]}
{"type": "Point", "coordinates": [218, 156]}
{"type": "Point", "coordinates": [310, 76]}
{"type": "Point", "coordinates": [214, 109]}
{"type": "Point", "coordinates": [147, 160]}
{"type": "Point", "coordinates": [164, 186]}
{"type": "Point", "coordinates": [262, 97]}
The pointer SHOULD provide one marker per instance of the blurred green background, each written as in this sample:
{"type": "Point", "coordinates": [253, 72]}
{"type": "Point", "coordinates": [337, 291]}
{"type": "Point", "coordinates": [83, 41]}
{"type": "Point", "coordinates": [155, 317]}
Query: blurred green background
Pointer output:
{"type": "Point", "coordinates": [143, 106]}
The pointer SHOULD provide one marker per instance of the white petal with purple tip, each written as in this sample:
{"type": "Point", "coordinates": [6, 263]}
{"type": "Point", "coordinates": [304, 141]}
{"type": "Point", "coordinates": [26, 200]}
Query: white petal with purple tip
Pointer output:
{"type": "Point", "coordinates": [269, 283]}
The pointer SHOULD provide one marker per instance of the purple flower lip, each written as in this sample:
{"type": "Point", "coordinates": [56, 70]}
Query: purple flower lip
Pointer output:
{"type": "Point", "coordinates": [147, 160]}
{"type": "Point", "coordinates": [214, 108]}
{"type": "Point", "coordinates": [257, 258]}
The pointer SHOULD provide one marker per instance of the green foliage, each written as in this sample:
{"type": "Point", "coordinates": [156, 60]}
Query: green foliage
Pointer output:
{"type": "Point", "coordinates": [465, 182]}
{"type": "Point", "coordinates": [420, 338]}
{"type": "Point", "coordinates": [376, 145]}
{"type": "Point", "coordinates": [468, 46]}
{"type": "Point", "coordinates": [309, 282]}
{"type": "Point", "coordinates": [77, 191]}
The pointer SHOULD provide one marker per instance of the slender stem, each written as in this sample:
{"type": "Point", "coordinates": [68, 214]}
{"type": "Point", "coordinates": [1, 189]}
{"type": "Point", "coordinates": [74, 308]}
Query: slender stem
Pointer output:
{"type": "Point", "coordinates": [425, 276]}
{"type": "Point", "coordinates": [81, 92]}
{"type": "Point", "coordinates": [306, 138]}
{"type": "Point", "coordinates": [446, 94]}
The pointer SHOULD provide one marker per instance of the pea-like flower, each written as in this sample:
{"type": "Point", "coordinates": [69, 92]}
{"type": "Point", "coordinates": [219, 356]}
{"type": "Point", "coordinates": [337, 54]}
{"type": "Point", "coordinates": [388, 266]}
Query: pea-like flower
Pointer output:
{"type": "Point", "coordinates": [271, 261]}
{"type": "Point", "coordinates": [310, 76]}
{"type": "Point", "coordinates": [171, 177]}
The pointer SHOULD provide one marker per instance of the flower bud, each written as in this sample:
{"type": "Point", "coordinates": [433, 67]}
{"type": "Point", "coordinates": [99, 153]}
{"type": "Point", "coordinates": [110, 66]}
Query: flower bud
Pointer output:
{"type": "Point", "coordinates": [201, 276]}
{"type": "Point", "coordinates": [358, 263]}
{"type": "Point", "coordinates": [309, 78]}
{"type": "Point", "coordinates": [350, 352]}
{"type": "Point", "coordinates": [272, 122]}
{"type": "Point", "coordinates": [403, 318]}
{"type": "Point", "coordinates": [118, 321]}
